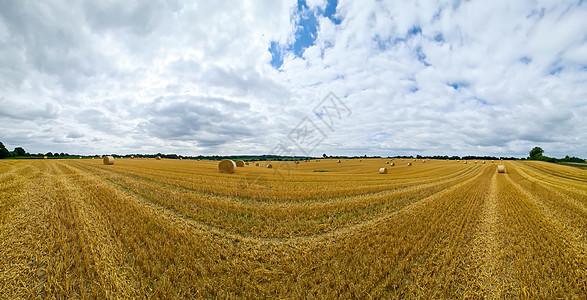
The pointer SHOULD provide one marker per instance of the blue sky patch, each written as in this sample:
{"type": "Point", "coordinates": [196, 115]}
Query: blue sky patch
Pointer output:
{"type": "Point", "coordinates": [276, 55]}
{"type": "Point", "coordinates": [439, 38]}
{"type": "Point", "coordinates": [379, 137]}
{"type": "Point", "coordinates": [383, 44]}
{"type": "Point", "coordinates": [526, 60]}
{"type": "Point", "coordinates": [421, 56]}
{"type": "Point", "coordinates": [538, 13]}
{"type": "Point", "coordinates": [330, 11]}
{"type": "Point", "coordinates": [302, 5]}
{"type": "Point", "coordinates": [555, 71]}
{"type": "Point", "coordinates": [458, 85]}
{"type": "Point", "coordinates": [306, 31]}
{"type": "Point", "coordinates": [414, 31]}
{"type": "Point", "coordinates": [481, 101]}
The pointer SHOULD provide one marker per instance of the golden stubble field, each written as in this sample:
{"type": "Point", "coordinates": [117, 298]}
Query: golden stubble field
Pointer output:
{"type": "Point", "coordinates": [148, 228]}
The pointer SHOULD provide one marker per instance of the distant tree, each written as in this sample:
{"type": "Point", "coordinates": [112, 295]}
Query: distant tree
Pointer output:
{"type": "Point", "coordinates": [20, 151]}
{"type": "Point", "coordinates": [324, 155]}
{"type": "Point", "coordinates": [48, 154]}
{"type": "Point", "coordinates": [3, 151]}
{"type": "Point", "coordinates": [536, 153]}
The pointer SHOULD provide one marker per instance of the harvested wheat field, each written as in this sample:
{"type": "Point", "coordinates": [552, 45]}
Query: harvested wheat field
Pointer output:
{"type": "Point", "coordinates": [181, 229]}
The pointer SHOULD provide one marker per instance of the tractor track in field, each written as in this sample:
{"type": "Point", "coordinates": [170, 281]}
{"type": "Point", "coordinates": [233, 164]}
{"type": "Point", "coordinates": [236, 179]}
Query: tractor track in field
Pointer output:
{"type": "Point", "coordinates": [557, 174]}
{"type": "Point", "coordinates": [448, 180]}
{"type": "Point", "coordinates": [542, 179]}
{"type": "Point", "coordinates": [355, 228]}
{"type": "Point", "coordinates": [454, 177]}
{"type": "Point", "coordinates": [455, 242]}
{"type": "Point", "coordinates": [486, 252]}
{"type": "Point", "coordinates": [576, 242]}
{"type": "Point", "coordinates": [332, 234]}
{"type": "Point", "coordinates": [450, 185]}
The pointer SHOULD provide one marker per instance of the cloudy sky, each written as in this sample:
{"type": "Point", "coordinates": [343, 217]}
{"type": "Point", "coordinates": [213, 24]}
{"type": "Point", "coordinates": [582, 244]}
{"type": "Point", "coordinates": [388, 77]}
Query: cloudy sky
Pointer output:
{"type": "Point", "coordinates": [336, 77]}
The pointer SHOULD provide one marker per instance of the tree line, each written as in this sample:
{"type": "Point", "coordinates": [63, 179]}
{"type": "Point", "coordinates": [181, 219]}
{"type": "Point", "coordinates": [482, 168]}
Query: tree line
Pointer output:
{"type": "Point", "coordinates": [18, 151]}
{"type": "Point", "coordinates": [537, 154]}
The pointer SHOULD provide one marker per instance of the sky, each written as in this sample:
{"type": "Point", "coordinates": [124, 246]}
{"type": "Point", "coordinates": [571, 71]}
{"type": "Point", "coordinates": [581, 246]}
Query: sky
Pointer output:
{"type": "Point", "coordinates": [294, 77]}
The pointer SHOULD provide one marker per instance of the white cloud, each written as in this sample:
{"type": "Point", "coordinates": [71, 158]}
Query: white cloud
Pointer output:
{"type": "Point", "coordinates": [195, 78]}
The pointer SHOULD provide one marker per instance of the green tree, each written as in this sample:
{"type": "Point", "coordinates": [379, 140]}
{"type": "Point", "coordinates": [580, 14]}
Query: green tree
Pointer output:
{"type": "Point", "coordinates": [3, 151]}
{"type": "Point", "coordinates": [536, 153]}
{"type": "Point", "coordinates": [20, 151]}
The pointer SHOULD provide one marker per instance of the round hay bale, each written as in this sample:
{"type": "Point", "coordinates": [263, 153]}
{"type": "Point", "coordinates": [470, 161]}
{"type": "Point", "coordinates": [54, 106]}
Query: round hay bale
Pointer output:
{"type": "Point", "coordinates": [269, 166]}
{"type": "Point", "coordinates": [409, 164]}
{"type": "Point", "coordinates": [501, 169]}
{"type": "Point", "coordinates": [382, 170]}
{"type": "Point", "coordinates": [240, 163]}
{"type": "Point", "coordinates": [246, 163]}
{"type": "Point", "coordinates": [475, 161]}
{"type": "Point", "coordinates": [492, 161]}
{"type": "Point", "coordinates": [465, 162]}
{"type": "Point", "coordinates": [338, 161]}
{"type": "Point", "coordinates": [423, 161]}
{"type": "Point", "coordinates": [158, 158]}
{"type": "Point", "coordinates": [257, 164]}
{"type": "Point", "coordinates": [100, 157]}
{"type": "Point", "coordinates": [108, 160]}
{"type": "Point", "coordinates": [483, 162]}
{"type": "Point", "coordinates": [44, 157]}
{"type": "Point", "coordinates": [296, 162]}
{"type": "Point", "coordinates": [360, 160]}
{"type": "Point", "coordinates": [386, 162]}
{"type": "Point", "coordinates": [133, 157]}
{"type": "Point", "coordinates": [227, 166]}
{"type": "Point", "coordinates": [391, 164]}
